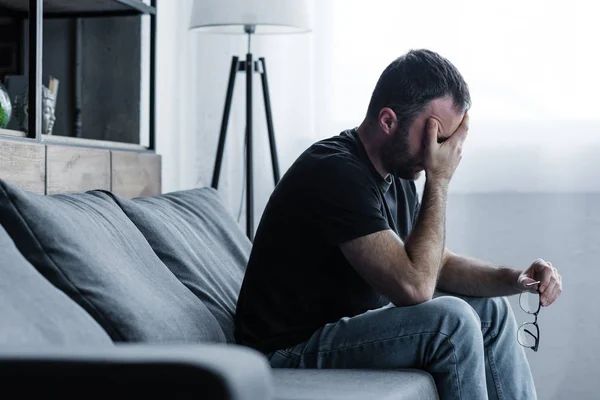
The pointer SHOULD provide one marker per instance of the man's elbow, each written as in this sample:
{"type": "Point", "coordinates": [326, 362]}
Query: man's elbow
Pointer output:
{"type": "Point", "coordinates": [414, 294]}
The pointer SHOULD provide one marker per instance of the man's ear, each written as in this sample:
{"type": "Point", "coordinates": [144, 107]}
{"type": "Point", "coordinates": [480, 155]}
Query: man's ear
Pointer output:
{"type": "Point", "coordinates": [388, 120]}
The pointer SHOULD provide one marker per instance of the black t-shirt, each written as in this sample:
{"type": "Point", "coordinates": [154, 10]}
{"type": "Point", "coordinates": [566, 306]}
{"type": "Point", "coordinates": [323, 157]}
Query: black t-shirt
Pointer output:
{"type": "Point", "coordinates": [297, 279]}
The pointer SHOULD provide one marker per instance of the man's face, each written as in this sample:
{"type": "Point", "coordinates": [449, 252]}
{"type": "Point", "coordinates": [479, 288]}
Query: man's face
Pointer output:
{"type": "Point", "coordinates": [404, 156]}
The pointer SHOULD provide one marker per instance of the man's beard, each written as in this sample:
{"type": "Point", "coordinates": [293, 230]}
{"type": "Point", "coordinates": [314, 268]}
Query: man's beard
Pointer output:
{"type": "Point", "coordinates": [398, 160]}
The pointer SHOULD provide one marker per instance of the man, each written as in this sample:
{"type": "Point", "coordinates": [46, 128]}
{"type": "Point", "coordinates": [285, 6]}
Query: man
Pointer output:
{"type": "Point", "coordinates": [343, 235]}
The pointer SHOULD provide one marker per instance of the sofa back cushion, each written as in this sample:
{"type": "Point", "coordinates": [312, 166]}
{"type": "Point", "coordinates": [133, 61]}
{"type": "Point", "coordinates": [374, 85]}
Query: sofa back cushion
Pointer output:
{"type": "Point", "coordinates": [87, 247]}
{"type": "Point", "coordinates": [33, 312]}
{"type": "Point", "coordinates": [200, 242]}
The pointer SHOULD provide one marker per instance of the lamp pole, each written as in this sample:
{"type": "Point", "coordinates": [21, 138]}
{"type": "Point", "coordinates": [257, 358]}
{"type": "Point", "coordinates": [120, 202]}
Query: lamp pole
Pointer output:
{"type": "Point", "coordinates": [249, 29]}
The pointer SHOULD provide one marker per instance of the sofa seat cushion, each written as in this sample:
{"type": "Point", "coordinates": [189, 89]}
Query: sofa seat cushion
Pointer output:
{"type": "Point", "coordinates": [33, 312]}
{"type": "Point", "coordinates": [200, 242]}
{"type": "Point", "coordinates": [323, 384]}
{"type": "Point", "coordinates": [87, 247]}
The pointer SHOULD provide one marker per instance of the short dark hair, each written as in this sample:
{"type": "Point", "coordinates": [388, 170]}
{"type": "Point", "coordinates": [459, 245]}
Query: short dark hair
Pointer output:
{"type": "Point", "coordinates": [411, 81]}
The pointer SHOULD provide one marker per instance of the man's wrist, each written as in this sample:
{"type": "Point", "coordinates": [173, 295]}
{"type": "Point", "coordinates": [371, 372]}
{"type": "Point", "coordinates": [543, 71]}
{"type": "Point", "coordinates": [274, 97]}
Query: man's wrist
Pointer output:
{"type": "Point", "coordinates": [511, 278]}
{"type": "Point", "coordinates": [437, 181]}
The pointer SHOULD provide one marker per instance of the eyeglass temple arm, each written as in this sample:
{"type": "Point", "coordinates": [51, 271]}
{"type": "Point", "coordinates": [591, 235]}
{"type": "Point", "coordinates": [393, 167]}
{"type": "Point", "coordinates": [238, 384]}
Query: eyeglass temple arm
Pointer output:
{"type": "Point", "coordinates": [537, 339]}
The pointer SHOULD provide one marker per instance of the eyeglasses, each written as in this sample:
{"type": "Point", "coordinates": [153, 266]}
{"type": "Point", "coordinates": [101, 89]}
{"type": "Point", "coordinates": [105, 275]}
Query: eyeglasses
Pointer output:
{"type": "Point", "coordinates": [529, 333]}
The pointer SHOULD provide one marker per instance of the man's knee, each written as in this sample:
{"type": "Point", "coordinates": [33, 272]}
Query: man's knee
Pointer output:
{"type": "Point", "coordinates": [496, 310]}
{"type": "Point", "coordinates": [457, 314]}
{"type": "Point", "coordinates": [501, 306]}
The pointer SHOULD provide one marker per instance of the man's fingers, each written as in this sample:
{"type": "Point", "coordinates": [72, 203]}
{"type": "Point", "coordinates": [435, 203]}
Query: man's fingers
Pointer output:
{"type": "Point", "coordinates": [544, 273]}
{"type": "Point", "coordinates": [553, 287]}
{"type": "Point", "coordinates": [557, 290]}
{"type": "Point", "coordinates": [432, 131]}
{"type": "Point", "coordinates": [552, 294]}
{"type": "Point", "coordinates": [546, 296]}
{"type": "Point", "coordinates": [459, 136]}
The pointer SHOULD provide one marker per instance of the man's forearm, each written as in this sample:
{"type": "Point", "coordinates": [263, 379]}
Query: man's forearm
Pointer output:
{"type": "Point", "coordinates": [425, 245]}
{"type": "Point", "coordinates": [471, 277]}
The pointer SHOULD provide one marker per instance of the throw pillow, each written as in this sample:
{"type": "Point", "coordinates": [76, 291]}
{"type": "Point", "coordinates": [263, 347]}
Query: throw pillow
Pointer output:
{"type": "Point", "coordinates": [87, 247]}
{"type": "Point", "coordinates": [200, 242]}
{"type": "Point", "coordinates": [33, 312]}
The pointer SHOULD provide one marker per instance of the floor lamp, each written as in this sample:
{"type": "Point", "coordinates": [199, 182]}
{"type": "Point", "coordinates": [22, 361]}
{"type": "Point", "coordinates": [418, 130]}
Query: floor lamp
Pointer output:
{"type": "Point", "coordinates": [250, 17]}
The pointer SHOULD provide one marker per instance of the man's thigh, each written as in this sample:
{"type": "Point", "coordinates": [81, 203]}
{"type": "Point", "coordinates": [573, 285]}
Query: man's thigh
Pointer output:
{"type": "Point", "coordinates": [489, 309]}
{"type": "Point", "coordinates": [387, 338]}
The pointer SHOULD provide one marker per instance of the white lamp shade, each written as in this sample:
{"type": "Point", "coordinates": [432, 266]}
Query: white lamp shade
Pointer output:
{"type": "Point", "coordinates": [269, 16]}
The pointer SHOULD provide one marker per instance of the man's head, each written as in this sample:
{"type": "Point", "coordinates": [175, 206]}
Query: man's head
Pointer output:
{"type": "Point", "coordinates": [414, 88]}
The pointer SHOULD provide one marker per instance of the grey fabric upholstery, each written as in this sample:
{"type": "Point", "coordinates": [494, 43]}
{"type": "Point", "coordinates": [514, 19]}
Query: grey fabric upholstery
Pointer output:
{"type": "Point", "coordinates": [34, 312]}
{"type": "Point", "coordinates": [313, 384]}
{"type": "Point", "coordinates": [87, 247]}
{"type": "Point", "coordinates": [200, 242]}
{"type": "Point", "coordinates": [137, 371]}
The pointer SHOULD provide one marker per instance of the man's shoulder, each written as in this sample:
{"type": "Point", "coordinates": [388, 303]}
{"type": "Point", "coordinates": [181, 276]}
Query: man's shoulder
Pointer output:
{"type": "Point", "coordinates": [334, 155]}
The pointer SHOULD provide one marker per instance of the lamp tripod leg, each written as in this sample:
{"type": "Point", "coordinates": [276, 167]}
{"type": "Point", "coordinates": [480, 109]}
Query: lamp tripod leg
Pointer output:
{"type": "Point", "coordinates": [269, 115]}
{"type": "Point", "coordinates": [224, 122]}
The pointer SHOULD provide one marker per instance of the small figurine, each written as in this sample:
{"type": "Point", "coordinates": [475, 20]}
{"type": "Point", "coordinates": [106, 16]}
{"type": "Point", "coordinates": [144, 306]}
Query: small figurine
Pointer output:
{"type": "Point", "coordinates": [48, 117]}
{"type": "Point", "coordinates": [48, 108]}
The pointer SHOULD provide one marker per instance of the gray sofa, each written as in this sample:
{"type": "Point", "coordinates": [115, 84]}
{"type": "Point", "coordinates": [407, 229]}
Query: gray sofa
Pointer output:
{"type": "Point", "coordinates": [136, 298]}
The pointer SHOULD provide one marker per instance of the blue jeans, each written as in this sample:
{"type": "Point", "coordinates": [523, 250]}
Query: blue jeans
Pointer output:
{"type": "Point", "coordinates": [468, 344]}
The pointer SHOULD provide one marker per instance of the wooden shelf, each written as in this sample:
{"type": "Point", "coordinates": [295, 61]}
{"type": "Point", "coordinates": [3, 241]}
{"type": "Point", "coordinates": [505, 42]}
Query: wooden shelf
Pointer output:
{"type": "Point", "coordinates": [9, 135]}
{"type": "Point", "coordinates": [8, 132]}
{"type": "Point", "coordinates": [81, 8]}
{"type": "Point", "coordinates": [92, 143]}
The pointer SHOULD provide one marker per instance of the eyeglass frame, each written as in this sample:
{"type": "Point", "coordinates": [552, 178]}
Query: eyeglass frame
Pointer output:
{"type": "Point", "coordinates": [534, 323]}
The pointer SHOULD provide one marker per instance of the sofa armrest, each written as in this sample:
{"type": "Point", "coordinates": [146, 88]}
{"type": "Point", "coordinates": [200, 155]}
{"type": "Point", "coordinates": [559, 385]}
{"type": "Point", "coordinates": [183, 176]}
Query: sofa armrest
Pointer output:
{"type": "Point", "coordinates": [137, 371]}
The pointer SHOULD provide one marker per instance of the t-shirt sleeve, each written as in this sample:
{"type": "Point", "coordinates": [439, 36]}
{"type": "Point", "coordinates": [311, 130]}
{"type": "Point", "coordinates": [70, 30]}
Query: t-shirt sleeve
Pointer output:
{"type": "Point", "coordinates": [416, 213]}
{"type": "Point", "coordinates": [344, 203]}
{"type": "Point", "coordinates": [417, 204]}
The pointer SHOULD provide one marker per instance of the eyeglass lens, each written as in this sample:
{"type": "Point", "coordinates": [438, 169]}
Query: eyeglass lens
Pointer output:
{"type": "Point", "coordinates": [530, 302]}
